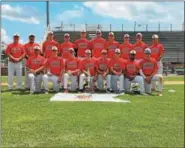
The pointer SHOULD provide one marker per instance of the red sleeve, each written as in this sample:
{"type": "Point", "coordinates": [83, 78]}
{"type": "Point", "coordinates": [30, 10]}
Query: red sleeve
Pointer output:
{"type": "Point", "coordinates": [23, 49]}
{"type": "Point", "coordinates": [46, 64]}
{"type": "Point", "coordinates": [62, 64]}
{"type": "Point", "coordinates": [43, 61]}
{"type": "Point", "coordinates": [162, 50]}
{"type": "Point", "coordinates": [44, 47]}
{"type": "Point", "coordinates": [96, 64]}
{"type": "Point", "coordinates": [123, 64]}
{"type": "Point", "coordinates": [140, 64]}
{"type": "Point", "coordinates": [110, 65]}
{"type": "Point", "coordinates": [7, 51]}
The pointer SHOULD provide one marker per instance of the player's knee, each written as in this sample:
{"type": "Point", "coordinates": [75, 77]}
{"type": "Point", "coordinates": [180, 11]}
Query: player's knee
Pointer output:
{"type": "Point", "coordinates": [66, 75]}
{"type": "Point", "coordinates": [44, 77]}
{"type": "Point", "coordinates": [82, 75]}
{"type": "Point", "coordinates": [31, 76]}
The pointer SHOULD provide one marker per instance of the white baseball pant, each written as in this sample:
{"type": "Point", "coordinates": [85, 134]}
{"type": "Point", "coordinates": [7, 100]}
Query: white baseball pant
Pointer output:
{"type": "Point", "coordinates": [156, 78]}
{"type": "Point", "coordinates": [26, 80]}
{"type": "Point", "coordinates": [137, 79]}
{"type": "Point", "coordinates": [115, 79]}
{"type": "Point", "coordinates": [83, 78]}
{"type": "Point", "coordinates": [160, 72]}
{"type": "Point", "coordinates": [17, 69]}
{"type": "Point", "coordinates": [35, 82]}
{"type": "Point", "coordinates": [101, 82]}
{"type": "Point", "coordinates": [46, 78]}
{"type": "Point", "coordinates": [73, 80]}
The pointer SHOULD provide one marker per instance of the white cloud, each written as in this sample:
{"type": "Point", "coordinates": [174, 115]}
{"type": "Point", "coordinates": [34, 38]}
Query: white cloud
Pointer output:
{"type": "Point", "coordinates": [167, 12]}
{"type": "Point", "coordinates": [68, 15]}
{"type": "Point", "coordinates": [21, 14]}
{"type": "Point", "coordinates": [4, 37]}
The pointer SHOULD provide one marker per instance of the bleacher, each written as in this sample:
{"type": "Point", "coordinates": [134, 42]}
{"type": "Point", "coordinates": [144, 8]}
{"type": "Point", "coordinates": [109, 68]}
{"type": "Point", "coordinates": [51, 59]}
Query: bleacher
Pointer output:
{"type": "Point", "coordinates": [173, 41]}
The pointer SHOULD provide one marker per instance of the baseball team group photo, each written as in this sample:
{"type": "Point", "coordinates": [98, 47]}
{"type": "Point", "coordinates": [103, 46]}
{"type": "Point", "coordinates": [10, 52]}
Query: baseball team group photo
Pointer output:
{"type": "Point", "coordinates": [115, 80]}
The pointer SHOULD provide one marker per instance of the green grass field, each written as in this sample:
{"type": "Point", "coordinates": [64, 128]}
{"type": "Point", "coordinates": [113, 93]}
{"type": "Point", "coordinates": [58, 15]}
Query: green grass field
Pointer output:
{"type": "Point", "coordinates": [148, 121]}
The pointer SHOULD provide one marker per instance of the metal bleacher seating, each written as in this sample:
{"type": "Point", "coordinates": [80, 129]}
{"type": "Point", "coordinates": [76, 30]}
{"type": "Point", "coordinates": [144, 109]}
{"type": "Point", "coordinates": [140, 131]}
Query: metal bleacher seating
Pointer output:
{"type": "Point", "coordinates": [173, 41]}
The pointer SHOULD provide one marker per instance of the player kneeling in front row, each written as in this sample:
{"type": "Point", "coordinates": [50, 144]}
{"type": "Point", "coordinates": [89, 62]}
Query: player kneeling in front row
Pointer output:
{"type": "Point", "coordinates": [35, 66]}
{"type": "Point", "coordinates": [72, 70]}
{"type": "Point", "coordinates": [148, 69]}
{"type": "Point", "coordinates": [87, 71]}
{"type": "Point", "coordinates": [103, 71]}
{"type": "Point", "coordinates": [117, 67]}
{"type": "Point", "coordinates": [54, 68]}
{"type": "Point", "coordinates": [131, 73]}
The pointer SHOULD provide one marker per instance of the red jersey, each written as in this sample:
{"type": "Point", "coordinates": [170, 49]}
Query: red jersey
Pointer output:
{"type": "Point", "coordinates": [35, 62]}
{"type": "Point", "coordinates": [102, 64]}
{"type": "Point", "coordinates": [55, 65]}
{"type": "Point", "coordinates": [72, 64]}
{"type": "Point", "coordinates": [117, 64]}
{"type": "Point", "coordinates": [15, 50]}
{"type": "Point", "coordinates": [88, 64]}
{"type": "Point", "coordinates": [148, 66]}
{"type": "Point", "coordinates": [131, 68]}
{"type": "Point", "coordinates": [139, 48]}
{"type": "Point", "coordinates": [47, 48]}
{"type": "Point", "coordinates": [29, 49]}
{"type": "Point", "coordinates": [82, 44]}
{"type": "Point", "coordinates": [125, 50]}
{"type": "Point", "coordinates": [111, 46]}
{"type": "Point", "coordinates": [97, 45]}
{"type": "Point", "coordinates": [64, 49]}
{"type": "Point", "coordinates": [157, 50]}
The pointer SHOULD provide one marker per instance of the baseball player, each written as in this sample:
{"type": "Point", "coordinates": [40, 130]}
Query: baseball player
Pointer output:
{"type": "Point", "coordinates": [125, 47]}
{"type": "Point", "coordinates": [131, 73]}
{"type": "Point", "coordinates": [139, 47]}
{"type": "Point", "coordinates": [15, 52]}
{"type": "Point", "coordinates": [111, 45]}
{"type": "Point", "coordinates": [102, 71]}
{"type": "Point", "coordinates": [81, 45]}
{"type": "Point", "coordinates": [88, 71]}
{"type": "Point", "coordinates": [35, 65]}
{"type": "Point", "coordinates": [117, 68]}
{"type": "Point", "coordinates": [54, 67]}
{"type": "Point", "coordinates": [48, 44]}
{"type": "Point", "coordinates": [97, 44]}
{"type": "Point", "coordinates": [64, 47]}
{"type": "Point", "coordinates": [29, 52]}
{"type": "Point", "coordinates": [148, 69]}
{"type": "Point", "coordinates": [157, 50]}
{"type": "Point", "coordinates": [71, 71]}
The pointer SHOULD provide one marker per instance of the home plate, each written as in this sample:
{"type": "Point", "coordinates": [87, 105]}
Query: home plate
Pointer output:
{"type": "Point", "coordinates": [87, 97]}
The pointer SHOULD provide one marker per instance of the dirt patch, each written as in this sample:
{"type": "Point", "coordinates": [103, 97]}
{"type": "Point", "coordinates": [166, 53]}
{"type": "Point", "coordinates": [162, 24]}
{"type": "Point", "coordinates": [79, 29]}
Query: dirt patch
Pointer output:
{"type": "Point", "coordinates": [173, 82]}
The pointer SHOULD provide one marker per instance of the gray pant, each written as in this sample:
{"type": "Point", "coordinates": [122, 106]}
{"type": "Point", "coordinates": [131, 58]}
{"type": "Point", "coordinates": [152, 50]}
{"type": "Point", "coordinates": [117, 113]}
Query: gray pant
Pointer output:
{"type": "Point", "coordinates": [101, 82]}
{"type": "Point", "coordinates": [35, 82]}
{"type": "Point", "coordinates": [73, 79]}
{"type": "Point", "coordinates": [115, 80]}
{"type": "Point", "coordinates": [137, 79]}
{"type": "Point", "coordinates": [17, 69]}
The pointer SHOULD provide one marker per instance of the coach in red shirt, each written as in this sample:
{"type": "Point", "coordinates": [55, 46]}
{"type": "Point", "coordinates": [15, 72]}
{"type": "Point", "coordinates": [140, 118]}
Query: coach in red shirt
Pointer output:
{"type": "Point", "coordinates": [16, 53]}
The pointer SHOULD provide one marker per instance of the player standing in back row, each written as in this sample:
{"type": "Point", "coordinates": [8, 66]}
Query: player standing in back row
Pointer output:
{"type": "Point", "coordinates": [29, 52]}
{"type": "Point", "coordinates": [48, 44]}
{"type": "Point", "coordinates": [139, 47]}
{"type": "Point", "coordinates": [16, 53]}
{"type": "Point", "coordinates": [125, 47]}
{"type": "Point", "coordinates": [97, 44]}
{"type": "Point", "coordinates": [81, 45]}
{"type": "Point", "coordinates": [111, 45]}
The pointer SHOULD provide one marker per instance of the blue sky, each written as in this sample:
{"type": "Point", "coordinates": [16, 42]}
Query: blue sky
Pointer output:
{"type": "Point", "coordinates": [30, 17]}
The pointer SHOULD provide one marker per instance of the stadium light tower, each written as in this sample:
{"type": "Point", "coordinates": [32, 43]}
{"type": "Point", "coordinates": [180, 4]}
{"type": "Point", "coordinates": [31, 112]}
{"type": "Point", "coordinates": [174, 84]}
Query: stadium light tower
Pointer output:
{"type": "Point", "coordinates": [47, 13]}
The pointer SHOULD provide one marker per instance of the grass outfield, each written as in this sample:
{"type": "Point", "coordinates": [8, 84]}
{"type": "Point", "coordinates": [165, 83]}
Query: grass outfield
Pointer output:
{"type": "Point", "coordinates": [148, 121]}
